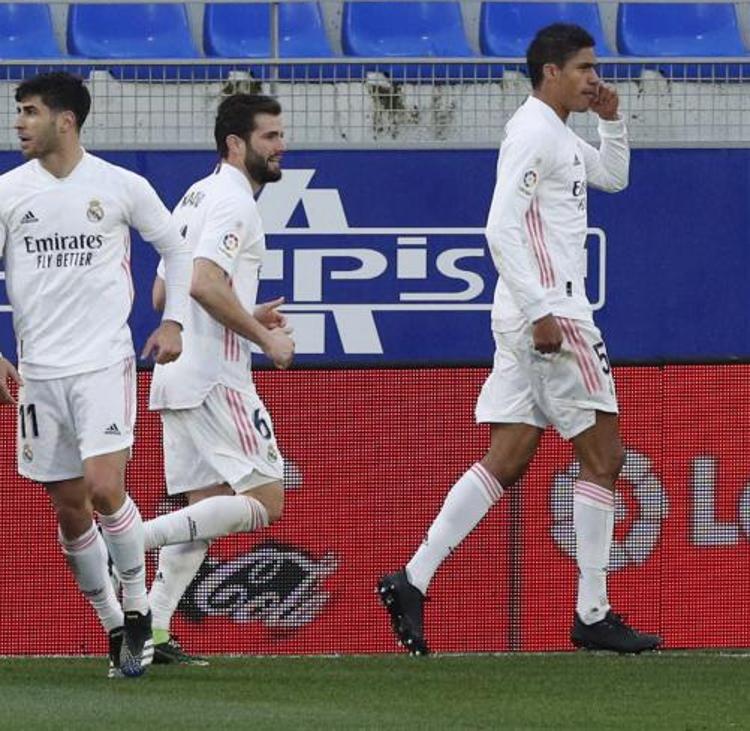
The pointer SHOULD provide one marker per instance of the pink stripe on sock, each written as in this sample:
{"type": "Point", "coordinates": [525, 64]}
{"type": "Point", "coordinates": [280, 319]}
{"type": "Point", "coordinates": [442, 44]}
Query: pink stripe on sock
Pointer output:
{"type": "Point", "coordinates": [493, 488]}
{"type": "Point", "coordinates": [82, 542]}
{"type": "Point", "coordinates": [122, 523]}
{"type": "Point", "coordinates": [594, 492]}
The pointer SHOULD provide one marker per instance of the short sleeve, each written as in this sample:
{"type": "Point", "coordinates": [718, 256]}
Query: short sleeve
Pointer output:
{"type": "Point", "coordinates": [231, 223]}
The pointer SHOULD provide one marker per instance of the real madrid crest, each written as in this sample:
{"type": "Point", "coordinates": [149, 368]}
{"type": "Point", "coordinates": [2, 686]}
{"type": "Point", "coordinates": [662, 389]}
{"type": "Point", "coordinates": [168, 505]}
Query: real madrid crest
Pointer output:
{"type": "Point", "coordinates": [95, 213]}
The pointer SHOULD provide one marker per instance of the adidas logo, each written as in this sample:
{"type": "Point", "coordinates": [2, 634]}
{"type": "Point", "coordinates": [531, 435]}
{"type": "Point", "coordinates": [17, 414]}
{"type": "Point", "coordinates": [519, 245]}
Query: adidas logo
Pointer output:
{"type": "Point", "coordinates": [576, 161]}
{"type": "Point", "coordinates": [29, 217]}
{"type": "Point", "coordinates": [112, 429]}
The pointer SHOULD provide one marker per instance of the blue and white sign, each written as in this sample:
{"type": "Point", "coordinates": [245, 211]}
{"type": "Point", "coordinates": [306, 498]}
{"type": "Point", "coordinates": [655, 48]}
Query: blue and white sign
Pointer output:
{"type": "Point", "coordinates": [382, 259]}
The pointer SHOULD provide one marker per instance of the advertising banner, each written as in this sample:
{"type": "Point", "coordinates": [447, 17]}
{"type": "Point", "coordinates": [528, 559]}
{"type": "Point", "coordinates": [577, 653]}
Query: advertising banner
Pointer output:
{"type": "Point", "coordinates": [370, 456]}
{"type": "Point", "coordinates": [382, 259]}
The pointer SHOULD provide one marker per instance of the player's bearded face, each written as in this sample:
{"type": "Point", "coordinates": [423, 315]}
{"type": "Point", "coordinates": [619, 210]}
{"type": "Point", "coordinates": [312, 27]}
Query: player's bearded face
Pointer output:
{"type": "Point", "coordinates": [264, 149]}
{"type": "Point", "coordinates": [262, 168]}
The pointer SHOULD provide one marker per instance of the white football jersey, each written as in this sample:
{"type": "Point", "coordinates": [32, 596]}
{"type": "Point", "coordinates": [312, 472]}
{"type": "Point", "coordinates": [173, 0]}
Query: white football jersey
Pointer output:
{"type": "Point", "coordinates": [219, 219]}
{"type": "Point", "coordinates": [537, 224]}
{"type": "Point", "coordinates": [66, 244]}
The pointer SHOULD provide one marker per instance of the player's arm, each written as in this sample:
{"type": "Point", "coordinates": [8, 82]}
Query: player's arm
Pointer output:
{"type": "Point", "coordinates": [158, 288]}
{"type": "Point", "coordinates": [8, 371]}
{"type": "Point", "coordinates": [210, 288]}
{"type": "Point", "coordinates": [158, 294]}
{"type": "Point", "coordinates": [154, 222]}
{"type": "Point", "coordinates": [510, 221]}
{"type": "Point", "coordinates": [608, 168]}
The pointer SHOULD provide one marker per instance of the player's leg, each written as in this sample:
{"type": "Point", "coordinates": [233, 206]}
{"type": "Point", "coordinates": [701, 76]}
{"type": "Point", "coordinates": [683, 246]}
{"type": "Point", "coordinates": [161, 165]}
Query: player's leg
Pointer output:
{"type": "Point", "coordinates": [511, 448]}
{"type": "Point", "coordinates": [217, 513]}
{"type": "Point", "coordinates": [595, 626]}
{"type": "Point", "coordinates": [213, 512]}
{"type": "Point", "coordinates": [122, 530]}
{"type": "Point", "coordinates": [104, 406]}
{"type": "Point", "coordinates": [212, 445]}
{"type": "Point", "coordinates": [506, 403]}
{"type": "Point", "coordinates": [86, 555]}
{"type": "Point", "coordinates": [470, 498]}
{"type": "Point", "coordinates": [48, 453]}
{"type": "Point", "coordinates": [579, 398]}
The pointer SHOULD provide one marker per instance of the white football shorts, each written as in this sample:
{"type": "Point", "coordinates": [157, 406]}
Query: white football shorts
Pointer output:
{"type": "Point", "coordinates": [63, 421]}
{"type": "Point", "coordinates": [228, 438]}
{"type": "Point", "coordinates": [564, 389]}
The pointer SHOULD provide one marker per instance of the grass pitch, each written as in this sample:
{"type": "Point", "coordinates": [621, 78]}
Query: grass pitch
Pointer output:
{"type": "Point", "coordinates": [671, 690]}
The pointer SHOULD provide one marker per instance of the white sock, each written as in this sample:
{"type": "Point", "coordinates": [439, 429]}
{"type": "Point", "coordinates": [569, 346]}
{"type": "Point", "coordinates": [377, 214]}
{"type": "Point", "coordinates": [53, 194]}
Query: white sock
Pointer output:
{"type": "Point", "coordinates": [467, 502]}
{"type": "Point", "coordinates": [210, 518]}
{"type": "Point", "coordinates": [594, 520]}
{"type": "Point", "coordinates": [178, 565]}
{"type": "Point", "coordinates": [87, 558]}
{"type": "Point", "coordinates": [123, 534]}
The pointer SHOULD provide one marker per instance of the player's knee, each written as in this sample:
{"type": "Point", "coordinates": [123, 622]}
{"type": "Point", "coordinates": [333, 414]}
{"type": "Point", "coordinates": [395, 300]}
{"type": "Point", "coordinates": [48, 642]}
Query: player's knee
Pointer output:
{"type": "Point", "coordinates": [74, 520]}
{"type": "Point", "coordinates": [506, 471]}
{"type": "Point", "coordinates": [275, 506]}
{"type": "Point", "coordinates": [272, 497]}
{"type": "Point", "coordinates": [106, 498]}
{"type": "Point", "coordinates": [606, 469]}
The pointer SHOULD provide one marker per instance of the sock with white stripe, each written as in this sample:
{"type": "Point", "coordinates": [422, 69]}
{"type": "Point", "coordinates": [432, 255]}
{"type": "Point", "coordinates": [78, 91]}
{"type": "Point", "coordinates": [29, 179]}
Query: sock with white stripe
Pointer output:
{"type": "Point", "coordinates": [210, 518]}
{"type": "Point", "coordinates": [465, 505]}
{"type": "Point", "coordinates": [178, 566]}
{"type": "Point", "coordinates": [123, 534]}
{"type": "Point", "coordinates": [87, 558]}
{"type": "Point", "coordinates": [594, 519]}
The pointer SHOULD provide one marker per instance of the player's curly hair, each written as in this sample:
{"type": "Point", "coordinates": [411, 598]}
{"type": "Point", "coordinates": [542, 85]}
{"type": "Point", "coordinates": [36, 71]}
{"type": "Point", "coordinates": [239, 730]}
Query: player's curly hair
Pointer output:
{"type": "Point", "coordinates": [555, 44]}
{"type": "Point", "coordinates": [60, 91]}
{"type": "Point", "coordinates": [236, 116]}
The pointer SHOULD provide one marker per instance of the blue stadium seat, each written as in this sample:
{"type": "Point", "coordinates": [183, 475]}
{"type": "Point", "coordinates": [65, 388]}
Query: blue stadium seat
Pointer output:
{"type": "Point", "coordinates": [506, 29]}
{"type": "Point", "coordinates": [406, 29]}
{"type": "Point", "coordinates": [26, 32]}
{"type": "Point", "coordinates": [683, 29]}
{"type": "Point", "coordinates": [243, 31]}
{"type": "Point", "coordinates": [133, 31]}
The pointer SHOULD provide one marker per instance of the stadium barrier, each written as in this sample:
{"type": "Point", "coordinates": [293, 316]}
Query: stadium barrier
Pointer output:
{"type": "Point", "coordinates": [370, 455]}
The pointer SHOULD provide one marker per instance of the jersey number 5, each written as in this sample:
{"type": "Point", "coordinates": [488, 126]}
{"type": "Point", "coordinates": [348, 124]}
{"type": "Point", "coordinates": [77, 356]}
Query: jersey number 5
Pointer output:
{"type": "Point", "coordinates": [601, 353]}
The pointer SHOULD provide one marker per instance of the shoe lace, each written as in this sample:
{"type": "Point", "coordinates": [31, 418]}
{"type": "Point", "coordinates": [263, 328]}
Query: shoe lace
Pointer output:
{"type": "Point", "coordinates": [621, 621]}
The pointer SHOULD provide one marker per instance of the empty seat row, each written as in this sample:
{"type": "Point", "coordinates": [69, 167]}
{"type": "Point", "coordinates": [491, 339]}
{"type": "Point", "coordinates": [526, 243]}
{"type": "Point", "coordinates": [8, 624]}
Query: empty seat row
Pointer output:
{"type": "Point", "coordinates": [369, 29]}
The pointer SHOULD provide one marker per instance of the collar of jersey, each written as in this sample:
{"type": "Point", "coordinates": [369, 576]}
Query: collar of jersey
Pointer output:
{"type": "Point", "coordinates": [547, 110]}
{"type": "Point", "coordinates": [80, 164]}
{"type": "Point", "coordinates": [236, 175]}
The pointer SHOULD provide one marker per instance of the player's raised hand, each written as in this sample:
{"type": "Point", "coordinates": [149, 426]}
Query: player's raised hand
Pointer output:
{"type": "Point", "coordinates": [606, 103]}
{"type": "Point", "coordinates": [164, 343]}
{"type": "Point", "coordinates": [8, 373]}
{"type": "Point", "coordinates": [279, 347]}
{"type": "Point", "coordinates": [547, 335]}
{"type": "Point", "coordinates": [268, 315]}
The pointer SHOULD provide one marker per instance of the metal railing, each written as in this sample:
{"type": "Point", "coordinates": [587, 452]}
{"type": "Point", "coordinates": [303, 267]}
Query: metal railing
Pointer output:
{"type": "Point", "coordinates": [366, 102]}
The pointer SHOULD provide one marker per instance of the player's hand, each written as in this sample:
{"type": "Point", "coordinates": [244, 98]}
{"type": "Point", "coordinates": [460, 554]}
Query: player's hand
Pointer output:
{"type": "Point", "coordinates": [8, 373]}
{"type": "Point", "coordinates": [268, 315]}
{"type": "Point", "coordinates": [279, 347]}
{"type": "Point", "coordinates": [164, 343]}
{"type": "Point", "coordinates": [547, 335]}
{"type": "Point", "coordinates": [606, 102]}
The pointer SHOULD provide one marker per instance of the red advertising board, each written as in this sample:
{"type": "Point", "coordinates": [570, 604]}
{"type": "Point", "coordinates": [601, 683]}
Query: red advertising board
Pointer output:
{"type": "Point", "coordinates": [370, 456]}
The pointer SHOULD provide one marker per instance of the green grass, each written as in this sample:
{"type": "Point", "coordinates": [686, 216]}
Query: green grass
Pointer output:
{"type": "Point", "coordinates": [672, 690]}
